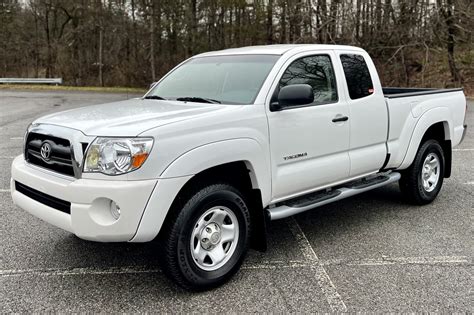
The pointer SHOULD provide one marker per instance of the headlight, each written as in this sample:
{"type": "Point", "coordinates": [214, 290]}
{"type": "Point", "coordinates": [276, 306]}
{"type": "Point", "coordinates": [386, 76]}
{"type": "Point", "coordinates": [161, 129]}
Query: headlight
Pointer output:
{"type": "Point", "coordinates": [115, 156]}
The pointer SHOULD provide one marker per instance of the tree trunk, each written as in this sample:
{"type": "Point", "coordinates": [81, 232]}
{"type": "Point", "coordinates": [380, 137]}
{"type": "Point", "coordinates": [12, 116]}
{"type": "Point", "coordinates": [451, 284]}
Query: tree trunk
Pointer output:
{"type": "Point", "coordinates": [357, 20]}
{"type": "Point", "coordinates": [323, 17]}
{"type": "Point", "coordinates": [333, 22]}
{"type": "Point", "coordinates": [451, 28]}
{"type": "Point", "coordinates": [134, 33]}
{"type": "Point", "coordinates": [283, 23]}
{"type": "Point", "coordinates": [100, 24]}
{"type": "Point", "coordinates": [36, 51]}
{"type": "Point", "coordinates": [49, 57]}
{"type": "Point", "coordinates": [152, 42]}
{"type": "Point", "coordinates": [192, 37]}
{"type": "Point", "coordinates": [101, 39]}
{"type": "Point", "coordinates": [270, 22]}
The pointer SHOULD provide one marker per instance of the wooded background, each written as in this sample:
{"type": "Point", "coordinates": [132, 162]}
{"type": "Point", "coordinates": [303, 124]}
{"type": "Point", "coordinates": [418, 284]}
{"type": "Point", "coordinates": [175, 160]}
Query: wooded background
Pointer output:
{"type": "Point", "coordinates": [133, 42]}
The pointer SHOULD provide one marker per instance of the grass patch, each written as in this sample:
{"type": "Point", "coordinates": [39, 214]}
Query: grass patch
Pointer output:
{"type": "Point", "coordinates": [46, 87]}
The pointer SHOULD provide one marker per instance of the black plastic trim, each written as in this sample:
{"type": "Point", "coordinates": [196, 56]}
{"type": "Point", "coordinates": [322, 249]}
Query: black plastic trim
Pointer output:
{"type": "Point", "coordinates": [61, 159]}
{"type": "Point", "coordinates": [387, 158]}
{"type": "Point", "coordinates": [50, 201]}
{"type": "Point", "coordinates": [367, 183]}
{"type": "Point", "coordinates": [463, 133]}
{"type": "Point", "coordinates": [406, 92]}
{"type": "Point", "coordinates": [311, 198]}
{"type": "Point", "coordinates": [300, 106]}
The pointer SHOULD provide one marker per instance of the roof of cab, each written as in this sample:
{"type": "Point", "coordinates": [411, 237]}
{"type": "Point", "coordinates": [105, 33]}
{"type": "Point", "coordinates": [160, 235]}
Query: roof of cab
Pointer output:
{"type": "Point", "coordinates": [278, 49]}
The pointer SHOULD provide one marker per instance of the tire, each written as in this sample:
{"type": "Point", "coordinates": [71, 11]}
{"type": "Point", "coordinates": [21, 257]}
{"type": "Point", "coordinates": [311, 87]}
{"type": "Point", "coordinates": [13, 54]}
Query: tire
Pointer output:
{"type": "Point", "coordinates": [213, 221]}
{"type": "Point", "coordinates": [421, 182]}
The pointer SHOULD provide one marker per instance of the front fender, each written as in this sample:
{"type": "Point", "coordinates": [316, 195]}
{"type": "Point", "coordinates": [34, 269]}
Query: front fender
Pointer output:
{"type": "Point", "coordinates": [428, 119]}
{"type": "Point", "coordinates": [226, 151]}
{"type": "Point", "coordinates": [194, 161]}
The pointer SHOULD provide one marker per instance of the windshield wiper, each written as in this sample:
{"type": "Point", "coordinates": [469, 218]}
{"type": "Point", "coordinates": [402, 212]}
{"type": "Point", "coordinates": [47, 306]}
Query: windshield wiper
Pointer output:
{"type": "Point", "coordinates": [198, 99]}
{"type": "Point", "coordinates": [154, 97]}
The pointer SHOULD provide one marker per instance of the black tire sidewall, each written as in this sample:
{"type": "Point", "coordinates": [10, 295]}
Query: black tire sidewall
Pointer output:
{"type": "Point", "coordinates": [192, 211]}
{"type": "Point", "coordinates": [428, 147]}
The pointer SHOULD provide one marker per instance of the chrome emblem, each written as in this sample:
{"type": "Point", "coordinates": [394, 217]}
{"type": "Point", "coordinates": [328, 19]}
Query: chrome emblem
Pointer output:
{"type": "Point", "coordinates": [45, 151]}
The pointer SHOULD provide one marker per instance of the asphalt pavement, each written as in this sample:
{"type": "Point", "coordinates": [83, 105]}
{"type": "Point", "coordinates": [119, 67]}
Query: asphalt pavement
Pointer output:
{"type": "Point", "coordinates": [372, 252]}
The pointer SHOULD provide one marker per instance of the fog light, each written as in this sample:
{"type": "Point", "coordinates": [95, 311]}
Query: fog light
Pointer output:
{"type": "Point", "coordinates": [114, 210]}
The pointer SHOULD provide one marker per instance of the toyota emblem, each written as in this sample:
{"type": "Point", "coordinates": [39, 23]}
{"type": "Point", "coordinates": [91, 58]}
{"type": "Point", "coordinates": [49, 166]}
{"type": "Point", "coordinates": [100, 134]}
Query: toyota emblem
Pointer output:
{"type": "Point", "coordinates": [45, 151]}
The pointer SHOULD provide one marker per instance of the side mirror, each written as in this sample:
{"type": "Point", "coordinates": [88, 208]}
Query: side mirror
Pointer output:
{"type": "Point", "coordinates": [293, 95]}
{"type": "Point", "coordinates": [153, 85]}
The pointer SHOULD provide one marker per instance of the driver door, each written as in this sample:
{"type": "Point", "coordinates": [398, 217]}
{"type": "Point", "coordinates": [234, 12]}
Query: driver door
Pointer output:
{"type": "Point", "coordinates": [309, 143]}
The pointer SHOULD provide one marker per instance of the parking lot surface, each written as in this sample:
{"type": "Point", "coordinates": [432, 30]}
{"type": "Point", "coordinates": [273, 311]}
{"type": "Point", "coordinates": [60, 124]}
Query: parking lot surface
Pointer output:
{"type": "Point", "coordinates": [372, 252]}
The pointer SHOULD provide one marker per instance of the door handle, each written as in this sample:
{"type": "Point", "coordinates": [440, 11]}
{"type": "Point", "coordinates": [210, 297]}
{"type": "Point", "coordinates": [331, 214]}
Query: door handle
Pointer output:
{"type": "Point", "coordinates": [340, 118]}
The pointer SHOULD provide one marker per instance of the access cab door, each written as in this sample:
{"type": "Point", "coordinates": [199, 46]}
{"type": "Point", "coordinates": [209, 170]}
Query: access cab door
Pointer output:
{"type": "Point", "coordinates": [308, 149]}
{"type": "Point", "coordinates": [368, 111]}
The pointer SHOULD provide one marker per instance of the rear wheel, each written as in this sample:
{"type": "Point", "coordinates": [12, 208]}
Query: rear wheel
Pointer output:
{"type": "Point", "coordinates": [207, 238]}
{"type": "Point", "coordinates": [422, 181]}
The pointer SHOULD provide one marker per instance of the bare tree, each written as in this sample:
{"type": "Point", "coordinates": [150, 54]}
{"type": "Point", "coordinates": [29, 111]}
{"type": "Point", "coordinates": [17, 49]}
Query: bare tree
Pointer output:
{"type": "Point", "coordinates": [133, 42]}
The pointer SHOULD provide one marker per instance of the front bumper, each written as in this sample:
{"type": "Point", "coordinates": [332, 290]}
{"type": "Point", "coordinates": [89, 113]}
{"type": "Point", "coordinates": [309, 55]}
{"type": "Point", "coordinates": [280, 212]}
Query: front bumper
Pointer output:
{"type": "Point", "coordinates": [90, 217]}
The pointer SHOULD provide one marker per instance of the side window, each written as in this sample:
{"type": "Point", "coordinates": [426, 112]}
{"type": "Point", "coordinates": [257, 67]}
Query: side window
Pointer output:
{"type": "Point", "coordinates": [316, 71]}
{"type": "Point", "coordinates": [357, 75]}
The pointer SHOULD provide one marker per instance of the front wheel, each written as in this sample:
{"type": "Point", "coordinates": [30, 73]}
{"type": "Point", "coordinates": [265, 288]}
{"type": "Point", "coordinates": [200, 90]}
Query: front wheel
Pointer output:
{"type": "Point", "coordinates": [422, 181]}
{"type": "Point", "coordinates": [207, 237]}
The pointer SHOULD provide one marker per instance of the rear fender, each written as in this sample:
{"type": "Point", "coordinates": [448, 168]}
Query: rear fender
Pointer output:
{"type": "Point", "coordinates": [428, 119]}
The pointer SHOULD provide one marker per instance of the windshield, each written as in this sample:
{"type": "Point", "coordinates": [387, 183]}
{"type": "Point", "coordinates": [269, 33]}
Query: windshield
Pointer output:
{"type": "Point", "coordinates": [222, 79]}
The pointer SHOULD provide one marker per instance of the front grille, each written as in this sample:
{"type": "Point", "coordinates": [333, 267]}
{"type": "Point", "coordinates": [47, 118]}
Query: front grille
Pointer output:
{"type": "Point", "coordinates": [59, 160]}
{"type": "Point", "coordinates": [50, 201]}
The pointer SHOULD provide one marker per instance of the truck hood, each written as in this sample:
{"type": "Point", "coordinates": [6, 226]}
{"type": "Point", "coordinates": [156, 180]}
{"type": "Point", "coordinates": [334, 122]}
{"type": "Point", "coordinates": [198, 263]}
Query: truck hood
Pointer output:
{"type": "Point", "coordinates": [128, 118]}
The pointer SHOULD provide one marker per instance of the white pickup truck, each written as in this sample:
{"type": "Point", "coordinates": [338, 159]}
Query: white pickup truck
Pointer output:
{"type": "Point", "coordinates": [228, 140]}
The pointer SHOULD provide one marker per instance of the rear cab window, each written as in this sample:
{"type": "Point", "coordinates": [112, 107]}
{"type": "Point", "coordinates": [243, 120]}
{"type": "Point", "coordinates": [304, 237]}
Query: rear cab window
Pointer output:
{"type": "Point", "coordinates": [359, 81]}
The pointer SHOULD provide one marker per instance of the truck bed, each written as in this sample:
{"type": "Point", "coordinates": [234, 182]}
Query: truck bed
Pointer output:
{"type": "Point", "coordinates": [407, 105]}
{"type": "Point", "coordinates": [396, 92]}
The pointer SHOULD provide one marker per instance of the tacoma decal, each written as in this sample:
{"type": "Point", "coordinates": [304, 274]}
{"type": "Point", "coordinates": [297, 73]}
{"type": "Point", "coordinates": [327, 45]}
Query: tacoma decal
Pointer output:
{"type": "Point", "coordinates": [295, 156]}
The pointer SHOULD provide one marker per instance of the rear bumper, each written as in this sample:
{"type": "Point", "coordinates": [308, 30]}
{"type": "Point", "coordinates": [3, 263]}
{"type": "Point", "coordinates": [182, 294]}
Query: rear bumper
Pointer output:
{"type": "Point", "coordinates": [90, 217]}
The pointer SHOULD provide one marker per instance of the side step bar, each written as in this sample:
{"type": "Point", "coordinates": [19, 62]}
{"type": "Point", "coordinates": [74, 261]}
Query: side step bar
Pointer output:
{"type": "Point", "coordinates": [314, 200]}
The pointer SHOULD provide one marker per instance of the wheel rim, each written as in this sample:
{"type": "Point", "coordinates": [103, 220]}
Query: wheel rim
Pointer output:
{"type": "Point", "coordinates": [214, 238]}
{"type": "Point", "coordinates": [430, 172]}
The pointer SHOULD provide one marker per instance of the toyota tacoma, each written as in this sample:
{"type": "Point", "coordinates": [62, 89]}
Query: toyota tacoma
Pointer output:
{"type": "Point", "coordinates": [229, 140]}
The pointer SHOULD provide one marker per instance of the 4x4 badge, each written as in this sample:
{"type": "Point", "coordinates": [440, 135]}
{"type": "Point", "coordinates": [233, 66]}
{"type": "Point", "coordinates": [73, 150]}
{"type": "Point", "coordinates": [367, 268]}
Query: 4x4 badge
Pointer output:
{"type": "Point", "coordinates": [45, 151]}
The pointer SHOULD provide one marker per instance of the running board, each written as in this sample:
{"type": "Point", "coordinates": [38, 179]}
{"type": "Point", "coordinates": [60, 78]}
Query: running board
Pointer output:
{"type": "Point", "coordinates": [314, 200]}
